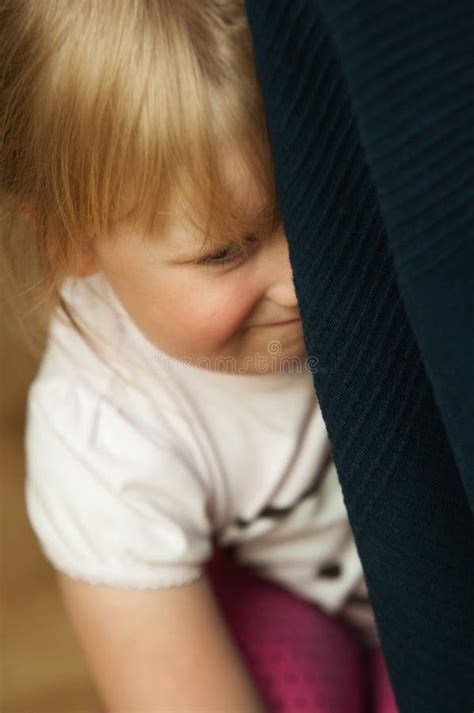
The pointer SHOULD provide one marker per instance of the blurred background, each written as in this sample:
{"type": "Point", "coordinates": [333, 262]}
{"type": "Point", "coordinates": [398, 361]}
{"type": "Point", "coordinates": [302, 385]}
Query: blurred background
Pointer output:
{"type": "Point", "coordinates": [41, 666]}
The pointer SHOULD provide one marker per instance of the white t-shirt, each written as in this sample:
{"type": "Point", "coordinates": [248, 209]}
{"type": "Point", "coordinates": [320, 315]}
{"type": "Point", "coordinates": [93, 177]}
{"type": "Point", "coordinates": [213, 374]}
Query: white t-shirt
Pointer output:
{"type": "Point", "coordinates": [137, 463]}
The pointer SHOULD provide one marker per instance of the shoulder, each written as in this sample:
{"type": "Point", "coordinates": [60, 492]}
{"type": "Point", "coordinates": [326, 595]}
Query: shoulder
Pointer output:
{"type": "Point", "coordinates": [101, 420]}
{"type": "Point", "coordinates": [112, 495]}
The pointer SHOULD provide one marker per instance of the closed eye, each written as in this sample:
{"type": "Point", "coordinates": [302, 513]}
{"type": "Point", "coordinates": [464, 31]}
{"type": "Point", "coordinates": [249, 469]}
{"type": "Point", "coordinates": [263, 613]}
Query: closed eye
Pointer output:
{"type": "Point", "coordinates": [228, 255]}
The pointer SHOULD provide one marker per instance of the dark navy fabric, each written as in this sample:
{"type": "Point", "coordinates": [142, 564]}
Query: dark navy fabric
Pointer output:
{"type": "Point", "coordinates": [370, 110]}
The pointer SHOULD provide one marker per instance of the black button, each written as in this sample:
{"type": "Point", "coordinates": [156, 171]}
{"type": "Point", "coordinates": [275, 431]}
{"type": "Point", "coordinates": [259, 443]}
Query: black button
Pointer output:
{"type": "Point", "coordinates": [330, 570]}
{"type": "Point", "coordinates": [230, 551]}
{"type": "Point", "coordinates": [358, 599]}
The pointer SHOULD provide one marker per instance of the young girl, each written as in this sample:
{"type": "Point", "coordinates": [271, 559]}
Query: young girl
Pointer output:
{"type": "Point", "coordinates": [173, 416]}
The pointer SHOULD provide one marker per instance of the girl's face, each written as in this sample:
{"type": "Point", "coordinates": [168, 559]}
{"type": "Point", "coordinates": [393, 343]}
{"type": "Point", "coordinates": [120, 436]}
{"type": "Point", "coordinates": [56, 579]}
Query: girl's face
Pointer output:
{"type": "Point", "coordinates": [227, 312]}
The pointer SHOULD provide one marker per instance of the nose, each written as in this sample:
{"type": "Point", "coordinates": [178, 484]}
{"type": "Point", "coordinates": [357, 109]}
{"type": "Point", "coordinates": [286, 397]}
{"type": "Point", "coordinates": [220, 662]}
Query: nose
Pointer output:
{"type": "Point", "coordinates": [277, 275]}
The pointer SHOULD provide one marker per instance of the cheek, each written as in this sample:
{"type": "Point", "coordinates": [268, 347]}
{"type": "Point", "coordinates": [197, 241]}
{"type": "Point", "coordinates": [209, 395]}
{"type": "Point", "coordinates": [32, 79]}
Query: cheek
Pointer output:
{"type": "Point", "coordinates": [215, 311]}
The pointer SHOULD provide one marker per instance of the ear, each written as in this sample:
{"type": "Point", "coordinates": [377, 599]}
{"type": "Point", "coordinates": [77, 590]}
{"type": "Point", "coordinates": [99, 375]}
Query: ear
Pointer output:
{"type": "Point", "coordinates": [85, 264]}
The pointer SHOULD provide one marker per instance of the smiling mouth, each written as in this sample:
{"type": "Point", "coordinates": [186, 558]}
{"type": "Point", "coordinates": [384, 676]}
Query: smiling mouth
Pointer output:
{"type": "Point", "coordinates": [280, 324]}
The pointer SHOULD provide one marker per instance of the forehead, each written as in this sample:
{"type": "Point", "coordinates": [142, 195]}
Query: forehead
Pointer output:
{"type": "Point", "coordinates": [184, 231]}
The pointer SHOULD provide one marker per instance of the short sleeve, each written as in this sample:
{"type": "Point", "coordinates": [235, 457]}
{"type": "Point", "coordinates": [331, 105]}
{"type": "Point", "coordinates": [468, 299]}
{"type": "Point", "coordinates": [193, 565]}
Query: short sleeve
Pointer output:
{"type": "Point", "coordinates": [111, 499]}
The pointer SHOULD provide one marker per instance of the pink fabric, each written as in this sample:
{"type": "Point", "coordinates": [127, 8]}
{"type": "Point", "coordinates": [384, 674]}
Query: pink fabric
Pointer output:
{"type": "Point", "coordinates": [301, 659]}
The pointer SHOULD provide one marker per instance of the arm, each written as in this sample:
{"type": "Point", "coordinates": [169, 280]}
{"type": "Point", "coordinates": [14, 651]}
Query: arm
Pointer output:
{"type": "Point", "coordinates": [159, 650]}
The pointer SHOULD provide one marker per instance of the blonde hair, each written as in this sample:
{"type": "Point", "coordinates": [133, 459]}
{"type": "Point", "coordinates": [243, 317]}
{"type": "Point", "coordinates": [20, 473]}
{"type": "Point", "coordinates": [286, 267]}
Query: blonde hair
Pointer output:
{"type": "Point", "coordinates": [110, 107]}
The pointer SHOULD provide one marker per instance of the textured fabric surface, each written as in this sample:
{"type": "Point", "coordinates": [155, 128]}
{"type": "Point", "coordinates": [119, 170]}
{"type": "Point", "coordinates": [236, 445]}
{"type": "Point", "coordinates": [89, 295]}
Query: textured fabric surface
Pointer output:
{"type": "Point", "coordinates": [415, 110]}
{"type": "Point", "coordinates": [301, 659]}
{"type": "Point", "coordinates": [370, 113]}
